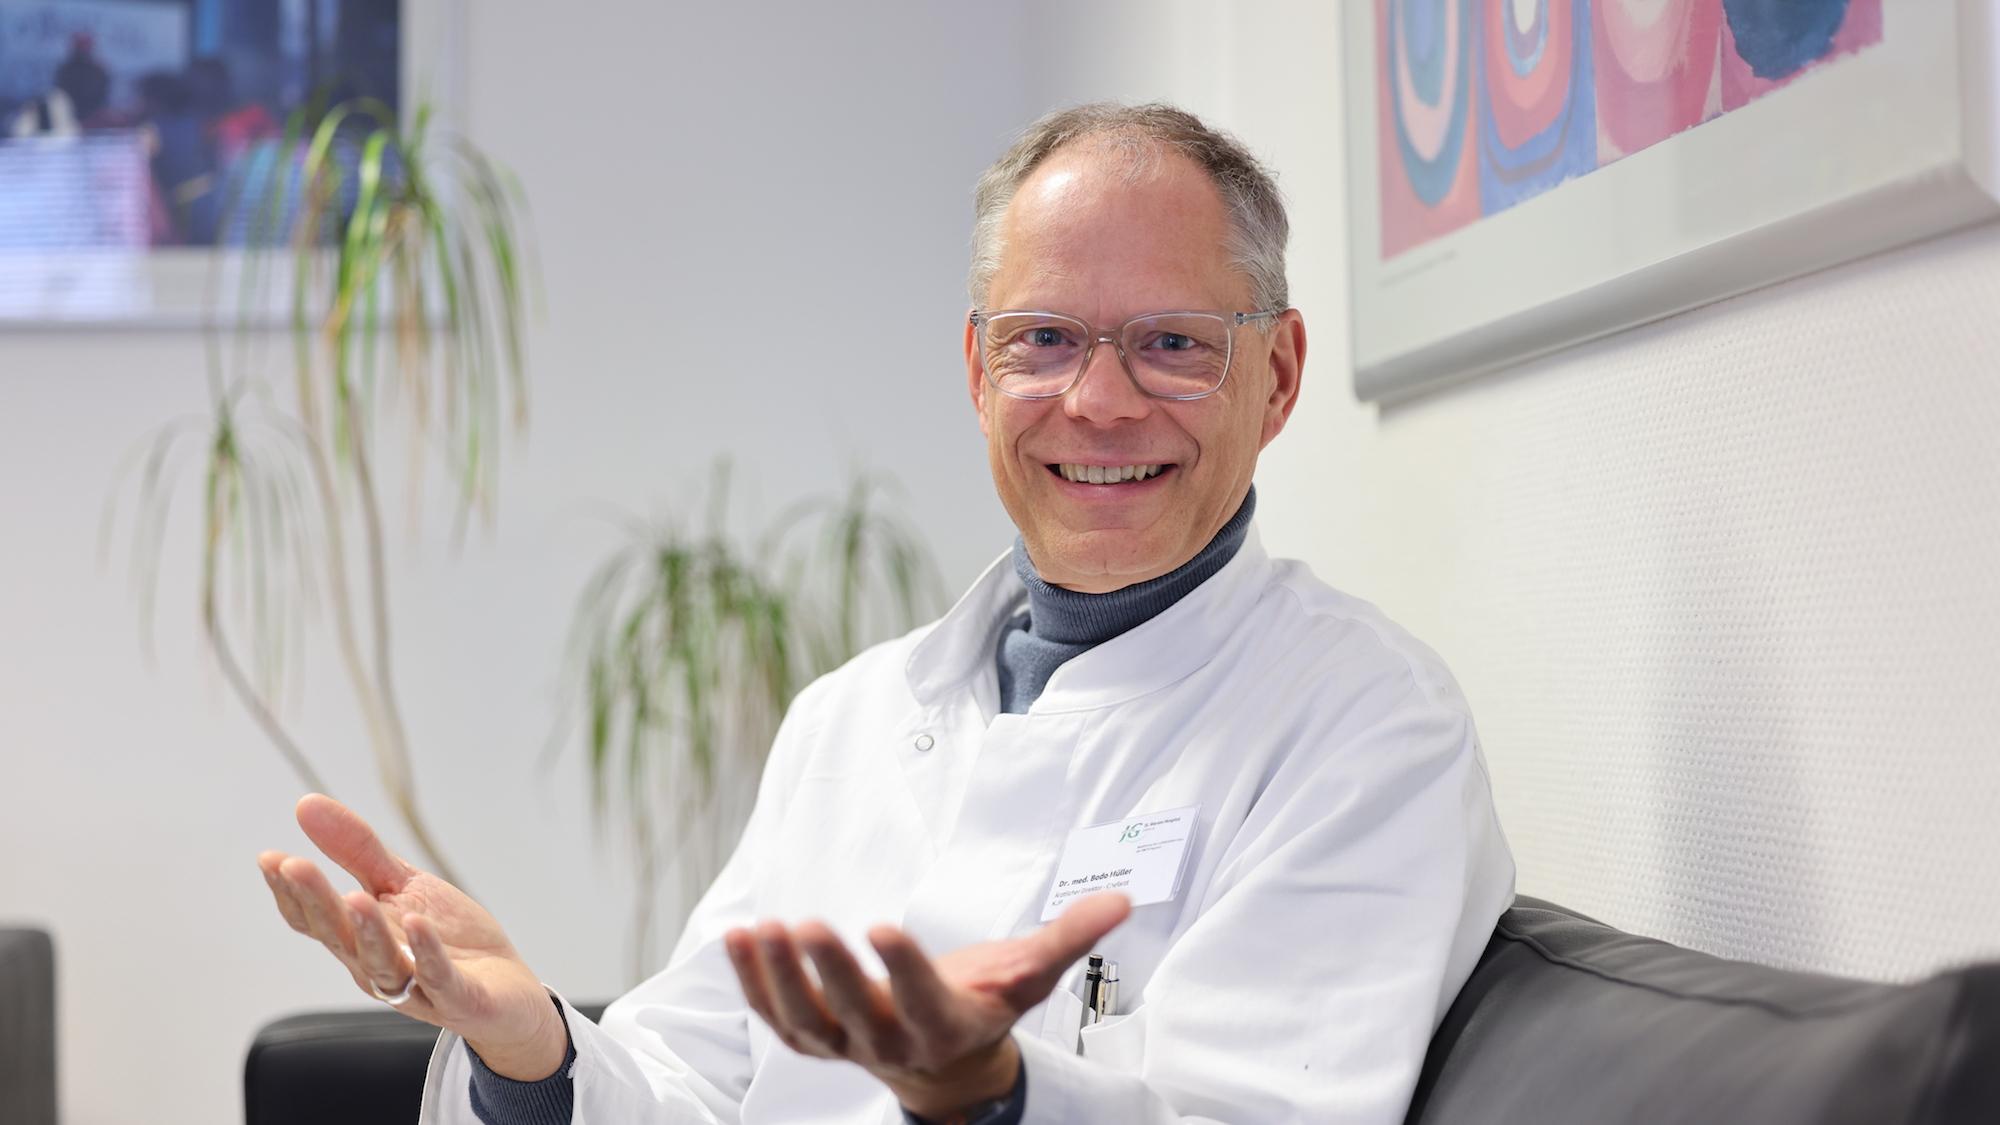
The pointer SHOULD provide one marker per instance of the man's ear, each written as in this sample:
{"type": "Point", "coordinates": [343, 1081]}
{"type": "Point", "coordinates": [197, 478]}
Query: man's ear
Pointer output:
{"type": "Point", "coordinates": [1288, 364]}
{"type": "Point", "coordinates": [975, 372]}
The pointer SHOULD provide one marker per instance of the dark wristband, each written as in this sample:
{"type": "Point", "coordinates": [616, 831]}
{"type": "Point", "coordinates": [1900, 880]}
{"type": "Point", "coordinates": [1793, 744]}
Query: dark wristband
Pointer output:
{"type": "Point", "coordinates": [1004, 1110]}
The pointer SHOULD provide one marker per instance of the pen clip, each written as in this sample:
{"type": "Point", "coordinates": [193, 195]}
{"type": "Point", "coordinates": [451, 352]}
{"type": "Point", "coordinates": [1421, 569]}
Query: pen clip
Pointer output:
{"type": "Point", "coordinates": [1100, 993]}
{"type": "Point", "coordinates": [1093, 987]}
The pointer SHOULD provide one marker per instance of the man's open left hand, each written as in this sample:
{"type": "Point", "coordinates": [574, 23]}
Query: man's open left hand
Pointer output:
{"type": "Point", "coordinates": [935, 1032]}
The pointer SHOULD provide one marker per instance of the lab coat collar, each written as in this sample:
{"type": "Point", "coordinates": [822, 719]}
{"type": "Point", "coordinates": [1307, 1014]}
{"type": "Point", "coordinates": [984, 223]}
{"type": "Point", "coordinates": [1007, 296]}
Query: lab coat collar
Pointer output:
{"type": "Point", "coordinates": [1159, 651]}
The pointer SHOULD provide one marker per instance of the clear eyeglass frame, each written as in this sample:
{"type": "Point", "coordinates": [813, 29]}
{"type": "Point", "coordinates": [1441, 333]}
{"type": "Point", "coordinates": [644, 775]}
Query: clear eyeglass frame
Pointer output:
{"type": "Point", "coordinates": [1093, 337]}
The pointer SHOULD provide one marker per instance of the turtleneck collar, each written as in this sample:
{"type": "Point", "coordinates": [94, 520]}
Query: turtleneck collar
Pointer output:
{"type": "Point", "coordinates": [1069, 617]}
{"type": "Point", "coordinates": [1060, 624]}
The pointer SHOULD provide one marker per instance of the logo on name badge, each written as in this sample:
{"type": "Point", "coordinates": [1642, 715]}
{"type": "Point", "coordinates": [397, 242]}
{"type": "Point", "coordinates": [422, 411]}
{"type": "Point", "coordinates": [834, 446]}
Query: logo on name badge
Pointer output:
{"type": "Point", "coordinates": [1144, 858]}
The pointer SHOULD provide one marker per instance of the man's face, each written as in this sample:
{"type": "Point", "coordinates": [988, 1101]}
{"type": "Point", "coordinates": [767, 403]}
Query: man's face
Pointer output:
{"type": "Point", "coordinates": [1080, 239]}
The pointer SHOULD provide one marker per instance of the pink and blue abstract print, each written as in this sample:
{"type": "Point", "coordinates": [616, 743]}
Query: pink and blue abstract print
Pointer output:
{"type": "Point", "coordinates": [1486, 103]}
{"type": "Point", "coordinates": [1539, 125]}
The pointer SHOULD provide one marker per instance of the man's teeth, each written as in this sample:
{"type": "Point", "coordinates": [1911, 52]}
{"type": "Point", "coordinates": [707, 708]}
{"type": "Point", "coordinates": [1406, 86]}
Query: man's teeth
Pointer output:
{"type": "Point", "coordinates": [1107, 474]}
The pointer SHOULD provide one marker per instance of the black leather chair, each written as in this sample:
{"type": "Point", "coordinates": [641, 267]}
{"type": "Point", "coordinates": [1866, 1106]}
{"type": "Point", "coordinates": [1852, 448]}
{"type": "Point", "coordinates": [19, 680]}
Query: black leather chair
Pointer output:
{"type": "Point", "coordinates": [1565, 1021]}
{"type": "Point", "coordinates": [323, 1068]}
{"type": "Point", "coordinates": [27, 1027]}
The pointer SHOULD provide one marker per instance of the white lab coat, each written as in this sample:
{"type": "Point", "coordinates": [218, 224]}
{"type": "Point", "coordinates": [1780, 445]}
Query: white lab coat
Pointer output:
{"type": "Point", "coordinates": [1345, 873]}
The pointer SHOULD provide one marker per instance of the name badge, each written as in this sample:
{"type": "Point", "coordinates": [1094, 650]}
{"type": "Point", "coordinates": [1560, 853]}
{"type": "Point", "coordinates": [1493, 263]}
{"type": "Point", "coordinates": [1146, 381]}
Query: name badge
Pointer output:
{"type": "Point", "coordinates": [1144, 856]}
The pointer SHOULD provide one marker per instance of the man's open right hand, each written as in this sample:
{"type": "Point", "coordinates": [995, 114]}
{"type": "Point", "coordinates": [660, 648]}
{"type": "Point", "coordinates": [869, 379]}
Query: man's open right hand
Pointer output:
{"type": "Point", "coordinates": [468, 977]}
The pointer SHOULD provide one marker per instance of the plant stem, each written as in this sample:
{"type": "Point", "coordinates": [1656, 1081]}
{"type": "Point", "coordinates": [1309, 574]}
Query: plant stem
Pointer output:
{"type": "Point", "coordinates": [232, 671]}
{"type": "Point", "coordinates": [384, 728]}
{"type": "Point", "coordinates": [392, 745]}
{"type": "Point", "coordinates": [644, 902]}
{"type": "Point", "coordinates": [336, 560]}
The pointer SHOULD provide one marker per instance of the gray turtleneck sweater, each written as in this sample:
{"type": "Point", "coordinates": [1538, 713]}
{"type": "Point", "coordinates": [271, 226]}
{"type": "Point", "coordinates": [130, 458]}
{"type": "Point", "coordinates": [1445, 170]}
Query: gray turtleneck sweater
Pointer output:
{"type": "Point", "coordinates": [1057, 625]}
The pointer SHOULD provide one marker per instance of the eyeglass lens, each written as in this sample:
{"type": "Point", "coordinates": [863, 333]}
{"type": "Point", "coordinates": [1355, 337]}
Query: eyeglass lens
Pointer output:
{"type": "Point", "coordinates": [1172, 354]}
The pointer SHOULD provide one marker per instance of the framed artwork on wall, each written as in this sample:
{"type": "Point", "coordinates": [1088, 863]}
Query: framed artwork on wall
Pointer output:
{"type": "Point", "coordinates": [131, 130]}
{"type": "Point", "coordinates": [1528, 174]}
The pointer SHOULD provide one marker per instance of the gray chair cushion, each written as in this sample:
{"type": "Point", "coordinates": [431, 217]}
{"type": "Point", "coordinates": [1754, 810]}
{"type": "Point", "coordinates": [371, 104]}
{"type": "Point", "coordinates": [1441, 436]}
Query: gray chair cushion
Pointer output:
{"type": "Point", "coordinates": [27, 1027]}
{"type": "Point", "coordinates": [1566, 1020]}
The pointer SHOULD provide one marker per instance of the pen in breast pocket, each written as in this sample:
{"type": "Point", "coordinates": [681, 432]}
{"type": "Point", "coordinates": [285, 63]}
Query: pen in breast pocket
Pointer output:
{"type": "Point", "coordinates": [1100, 991]}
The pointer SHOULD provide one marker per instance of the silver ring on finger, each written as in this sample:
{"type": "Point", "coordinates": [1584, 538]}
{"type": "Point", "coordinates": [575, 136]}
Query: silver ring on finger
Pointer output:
{"type": "Point", "coordinates": [398, 998]}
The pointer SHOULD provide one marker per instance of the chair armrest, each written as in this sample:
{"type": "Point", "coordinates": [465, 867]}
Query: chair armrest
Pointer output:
{"type": "Point", "coordinates": [27, 1027]}
{"type": "Point", "coordinates": [322, 1068]}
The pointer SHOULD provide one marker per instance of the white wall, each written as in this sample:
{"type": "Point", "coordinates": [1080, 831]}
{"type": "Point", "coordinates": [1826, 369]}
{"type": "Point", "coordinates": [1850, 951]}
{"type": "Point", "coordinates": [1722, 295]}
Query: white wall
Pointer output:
{"type": "Point", "coordinates": [1723, 591]}
{"type": "Point", "coordinates": [704, 179]}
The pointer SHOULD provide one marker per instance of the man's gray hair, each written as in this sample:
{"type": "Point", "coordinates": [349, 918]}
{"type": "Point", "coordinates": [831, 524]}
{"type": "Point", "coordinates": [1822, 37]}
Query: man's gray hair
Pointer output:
{"type": "Point", "coordinates": [1258, 227]}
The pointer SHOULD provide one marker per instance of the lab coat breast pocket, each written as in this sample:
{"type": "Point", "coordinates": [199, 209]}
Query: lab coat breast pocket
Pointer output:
{"type": "Point", "coordinates": [1118, 1042]}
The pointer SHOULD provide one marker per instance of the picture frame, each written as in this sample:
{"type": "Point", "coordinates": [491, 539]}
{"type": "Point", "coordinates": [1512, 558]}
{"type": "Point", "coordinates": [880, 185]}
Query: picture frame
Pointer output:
{"type": "Point", "coordinates": [176, 287]}
{"type": "Point", "coordinates": [1529, 243]}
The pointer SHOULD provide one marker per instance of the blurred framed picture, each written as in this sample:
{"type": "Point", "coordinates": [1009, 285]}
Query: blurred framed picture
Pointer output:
{"type": "Point", "coordinates": [138, 138]}
{"type": "Point", "coordinates": [1528, 174]}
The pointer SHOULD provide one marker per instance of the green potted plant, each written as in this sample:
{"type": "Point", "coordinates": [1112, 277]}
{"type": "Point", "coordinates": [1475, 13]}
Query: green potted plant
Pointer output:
{"type": "Point", "coordinates": [398, 256]}
{"type": "Point", "coordinates": [685, 650]}
{"type": "Point", "coordinates": [396, 253]}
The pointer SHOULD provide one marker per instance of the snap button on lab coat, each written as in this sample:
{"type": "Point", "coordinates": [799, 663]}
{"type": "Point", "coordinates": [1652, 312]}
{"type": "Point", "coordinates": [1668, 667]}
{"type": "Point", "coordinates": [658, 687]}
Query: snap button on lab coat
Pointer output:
{"type": "Point", "coordinates": [925, 742]}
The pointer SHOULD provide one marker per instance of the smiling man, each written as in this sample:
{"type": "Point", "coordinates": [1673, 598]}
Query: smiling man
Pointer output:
{"type": "Point", "coordinates": [1124, 476]}
{"type": "Point", "coordinates": [1281, 791]}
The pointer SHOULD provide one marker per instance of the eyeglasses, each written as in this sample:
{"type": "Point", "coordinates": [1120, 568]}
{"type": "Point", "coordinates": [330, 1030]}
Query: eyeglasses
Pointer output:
{"type": "Point", "coordinates": [1176, 355]}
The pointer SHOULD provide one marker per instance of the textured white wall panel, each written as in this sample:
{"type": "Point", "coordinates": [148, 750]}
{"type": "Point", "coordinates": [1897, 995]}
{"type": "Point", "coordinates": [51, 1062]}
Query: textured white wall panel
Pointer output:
{"type": "Point", "coordinates": [1724, 591]}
